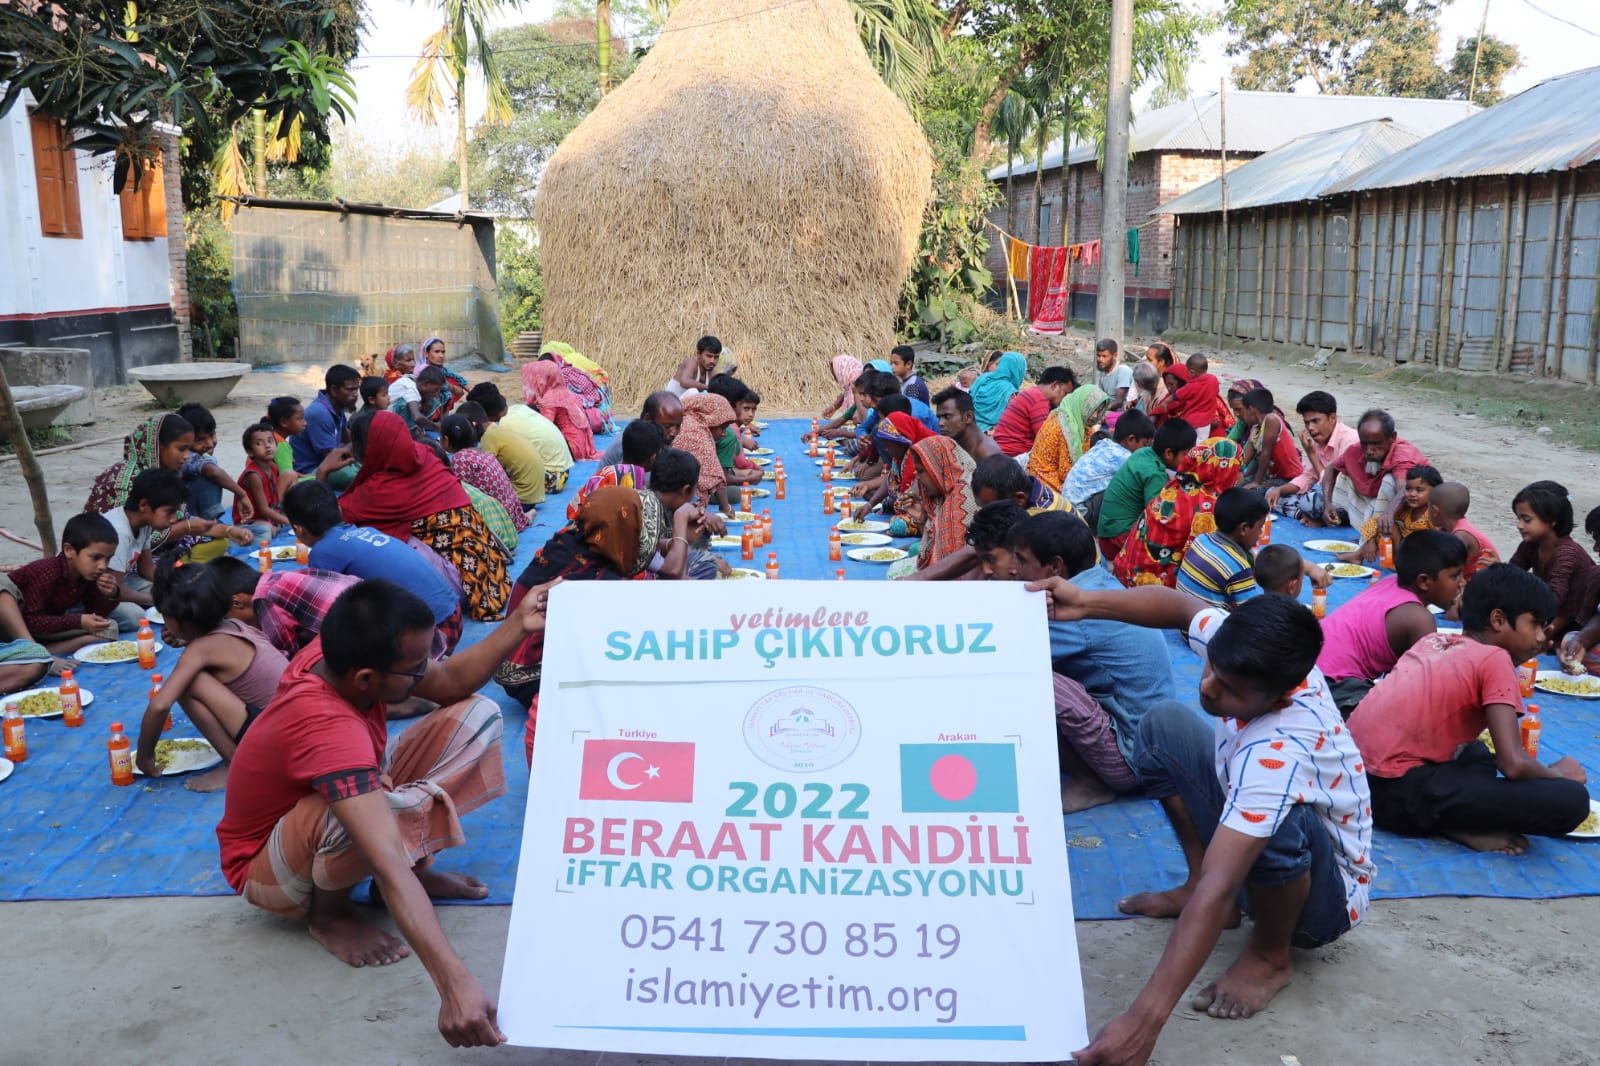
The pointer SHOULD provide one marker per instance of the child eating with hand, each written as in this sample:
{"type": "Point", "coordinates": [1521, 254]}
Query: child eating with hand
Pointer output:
{"type": "Point", "coordinates": [1280, 569]}
{"type": "Point", "coordinates": [1217, 567]}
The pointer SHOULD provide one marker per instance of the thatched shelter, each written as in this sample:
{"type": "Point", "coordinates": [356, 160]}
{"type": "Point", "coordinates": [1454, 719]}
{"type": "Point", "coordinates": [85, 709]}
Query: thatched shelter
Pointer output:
{"type": "Point", "coordinates": [753, 179]}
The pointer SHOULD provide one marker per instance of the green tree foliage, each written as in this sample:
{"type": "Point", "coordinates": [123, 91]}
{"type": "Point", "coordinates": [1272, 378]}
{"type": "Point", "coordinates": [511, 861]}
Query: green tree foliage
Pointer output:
{"type": "Point", "coordinates": [1360, 47]}
{"type": "Point", "coordinates": [520, 278]}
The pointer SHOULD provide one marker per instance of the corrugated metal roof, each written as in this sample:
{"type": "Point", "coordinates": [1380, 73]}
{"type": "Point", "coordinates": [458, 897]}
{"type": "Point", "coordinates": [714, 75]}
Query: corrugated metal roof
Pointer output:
{"type": "Point", "coordinates": [1551, 126]}
{"type": "Point", "coordinates": [1257, 122]}
{"type": "Point", "coordinates": [1300, 170]}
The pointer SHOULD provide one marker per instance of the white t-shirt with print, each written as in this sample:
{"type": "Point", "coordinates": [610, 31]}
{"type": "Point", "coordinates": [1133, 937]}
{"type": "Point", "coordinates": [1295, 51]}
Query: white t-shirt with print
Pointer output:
{"type": "Point", "coordinates": [129, 544]}
{"type": "Point", "coordinates": [1301, 754]}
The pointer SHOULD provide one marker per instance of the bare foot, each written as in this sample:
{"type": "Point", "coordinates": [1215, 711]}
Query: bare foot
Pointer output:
{"type": "Point", "coordinates": [440, 885]}
{"type": "Point", "coordinates": [210, 781]}
{"type": "Point", "coordinates": [1169, 904]}
{"type": "Point", "coordinates": [1246, 988]}
{"type": "Point", "coordinates": [355, 941]}
{"type": "Point", "coordinates": [1080, 793]}
{"type": "Point", "coordinates": [1504, 843]}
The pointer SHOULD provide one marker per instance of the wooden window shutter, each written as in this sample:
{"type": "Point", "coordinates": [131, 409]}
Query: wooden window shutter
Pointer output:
{"type": "Point", "coordinates": [55, 172]}
{"type": "Point", "coordinates": [144, 211]}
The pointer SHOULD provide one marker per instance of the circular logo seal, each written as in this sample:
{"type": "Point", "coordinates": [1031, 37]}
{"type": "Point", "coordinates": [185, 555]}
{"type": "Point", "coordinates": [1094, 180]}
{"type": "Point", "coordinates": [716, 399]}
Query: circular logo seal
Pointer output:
{"type": "Point", "coordinates": [802, 729]}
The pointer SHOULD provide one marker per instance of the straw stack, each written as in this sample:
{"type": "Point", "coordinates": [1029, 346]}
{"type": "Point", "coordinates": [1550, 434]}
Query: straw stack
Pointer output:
{"type": "Point", "coordinates": [753, 179]}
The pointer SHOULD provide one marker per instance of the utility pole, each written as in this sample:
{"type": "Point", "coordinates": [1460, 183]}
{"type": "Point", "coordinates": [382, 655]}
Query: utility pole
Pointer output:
{"type": "Point", "coordinates": [1108, 313]}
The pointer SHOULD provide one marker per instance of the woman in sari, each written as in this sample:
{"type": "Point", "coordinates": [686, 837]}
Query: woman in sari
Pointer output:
{"type": "Point", "coordinates": [845, 368]}
{"type": "Point", "coordinates": [588, 382]}
{"type": "Point", "coordinates": [944, 480]}
{"type": "Point", "coordinates": [1240, 431]}
{"type": "Point", "coordinates": [401, 362]}
{"type": "Point", "coordinates": [614, 538]}
{"type": "Point", "coordinates": [617, 476]}
{"type": "Point", "coordinates": [546, 392]}
{"type": "Point", "coordinates": [895, 437]}
{"type": "Point", "coordinates": [706, 417]}
{"type": "Point", "coordinates": [993, 391]}
{"type": "Point", "coordinates": [1181, 511]}
{"type": "Point", "coordinates": [455, 386]}
{"type": "Point", "coordinates": [404, 490]}
{"type": "Point", "coordinates": [1064, 436]}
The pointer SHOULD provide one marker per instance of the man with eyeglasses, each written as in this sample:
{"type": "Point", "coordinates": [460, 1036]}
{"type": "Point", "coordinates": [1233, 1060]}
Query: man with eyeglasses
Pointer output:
{"type": "Point", "coordinates": [318, 800]}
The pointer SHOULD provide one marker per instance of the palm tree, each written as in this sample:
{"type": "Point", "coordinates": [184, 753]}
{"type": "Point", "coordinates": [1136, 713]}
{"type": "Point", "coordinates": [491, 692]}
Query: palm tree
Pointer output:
{"type": "Point", "coordinates": [442, 70]}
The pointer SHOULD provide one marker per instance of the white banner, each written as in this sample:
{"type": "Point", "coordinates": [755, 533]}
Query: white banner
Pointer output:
{"type": "Point", "coordinates": [812, 820]}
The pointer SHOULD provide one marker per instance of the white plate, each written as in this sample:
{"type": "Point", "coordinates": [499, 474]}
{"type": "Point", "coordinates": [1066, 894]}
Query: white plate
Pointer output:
{"type": "Point", "coordinates": [760, 494]}
{"type": "Point", "coordinates": [187, 762]}
{"type": "Point", "coordinates": [758, 451]}
{"type": "Point", "coordinates": [1594, 808]}
{"type": "Point", "coordinates": [85, 697]}
{"type": "Point", "coordinates": [153, 616]}
{"type": "Point", "coordinates": [1545, 676]}
{"type": "Point", "coordinates": [863, 527]}
{"type": "Point", "coordinates": [863, 555]}
{"type": "Point", "coordinates": [863, 540]}
{"type": "Point", "coordinates": [744, 573]}
{"type": "Point", "coordinates": [769, 475]}
{"type": "Point", "coordinates": [724, 544]}
{"type": "Point", "coordinates": [739, 517]}
{"type": "Point", "coordinates": [1366, 571]}
{"type": "Point", "coordinates": [80, 656]}
{"type": "Point", "coordinates": [1331, 546]}
{"type": "Point", "coordinates": [845, 477]}
{"type": "Point", "coordinates": [6, 766]}
{"type": "Point", "coordinates": [759, 461]}
{"type": "Point", "coordinates": [282, 553]}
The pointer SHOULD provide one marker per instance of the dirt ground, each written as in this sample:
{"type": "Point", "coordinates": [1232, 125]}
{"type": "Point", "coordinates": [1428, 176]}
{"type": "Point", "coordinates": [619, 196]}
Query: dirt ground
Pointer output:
{"type": "Point", "coordinates": [207, 980]}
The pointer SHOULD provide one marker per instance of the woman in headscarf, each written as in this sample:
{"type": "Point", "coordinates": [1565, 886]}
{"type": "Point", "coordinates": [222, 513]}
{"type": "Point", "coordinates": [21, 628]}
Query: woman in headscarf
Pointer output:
{"type": "Point", "coordinates": [588, 382]}
{"type": "Point", "coordinates": [992, 391]}
{"type": "Point", "coordinates": [845, 368]}
{"type": "Point", "coordinates": [401, 361]}
{"type": "Point", "coordinates": [895, 437]}
{"type": "Point", "coordinates": [1181, 511]}
{"type": "Point", "coordinates": [406, 491]}
{"type": "Point", "coordinates": [1064, 436]}
{"type": "Point", "coordinates": [546, 392]}
{"type": "Point", "coordinates": [618, 475]}
{"type": "Point", "coordinates": [614, 538]}
{"type": "Point", "coordinates": [1236, 393]}
{"type": "Point", "coordinates": [944, 479]}
{"type": "Point", "coordinates": [706, 417]}
{"type": "Point", "coordinates": [455, 386]}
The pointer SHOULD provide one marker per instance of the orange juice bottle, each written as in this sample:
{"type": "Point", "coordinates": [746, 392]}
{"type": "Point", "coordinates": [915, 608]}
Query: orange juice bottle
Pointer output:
{"type": "Point", "coordinates": [146, 640]}
{"type": "Point", "coordinates": [838, 575]}
{"type": "Point", "coordinates": [121, 753]}
{"type": "Point", "coordinates": [827, 501]}
{"type": "Point", "coordinates": [782, 485]}
{"type": "Point", "coordinates": [747, 548]}
{"type": "Point", "coordinates": [15, 731]}
{"type": "Point", "coordinates": [264, 556]}
{"type": "Point", "coordinates": [772, 566]}
{"type": "Point", "coordinates": [1527, 675]}
{"type": "Point", "coordinates": [302, 554]}
{"type": "Point", "coordinates": [811, 449]}
{"type": "Point", "coordinates": [1530, 727]}
{"type": "Point", "coordinates": [71, 700]}
{"type": "Point", "coordinates": [1266, 533]}
{"type": "Point", "coordinates": [1386, 552]}
{"type": "Point", "coordinates": [155, 690]}
{"type": "Point", "coordinates": [813, 429]}
{"type": "Point", "coordinates": [1319, 602]}
{"type": "Point", "coordinates": [744, 497]}
{"type": "Point", "coordinates": [766, 525]}
{"type": "Point", "coordinates": [835, 545]}
{"type": "Point", "coordinates": [827, 471]}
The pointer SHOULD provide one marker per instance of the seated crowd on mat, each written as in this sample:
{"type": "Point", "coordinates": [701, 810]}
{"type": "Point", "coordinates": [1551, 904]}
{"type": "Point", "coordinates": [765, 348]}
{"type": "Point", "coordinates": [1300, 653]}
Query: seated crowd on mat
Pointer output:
{"type": "Point", "coordinates": [1137, 498]}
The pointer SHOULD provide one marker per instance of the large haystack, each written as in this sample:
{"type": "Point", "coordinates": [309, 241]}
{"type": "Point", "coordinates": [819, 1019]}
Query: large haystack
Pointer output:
{"type": "Point", "coordinates": [753, 179]}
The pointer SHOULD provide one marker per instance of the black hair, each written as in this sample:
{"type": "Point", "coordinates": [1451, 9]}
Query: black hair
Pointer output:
{"type": "Point", "coordinates": [1427, 551]}
{"type": "Point", "coordinates": [363, 628]}
{"type": "Point", "coordinates": [251, 430]}
{"type": "Point", "coordinates": [157, 487]}
{"type": "Point", "coordinates": [1375, 414]}
{"type": "Point", "coordinates": [88, 528]}
{"type": "Point", "coordinates": [880, 383]}
{"type": "Point", "coordinates": [1591, 523]}
{"type": "Point", "coordinates": [993, 523]}
{"type": "Point", "coordinates": [674, 471]}
{"type": "Point", "coordinates": [899, 403]}
{"type": "Point", "coordinates": [431, 375]}
{"type": "Point", "coordinates": [1058, 375]}
{"type": "Point", "coordinates": [172, 427]}
{"type": "Point", "coordinates": [1276, 565]}
{"type": "Point", "coordinates": [1198, 360]}
{"type": "Point", "coordinates": [1174, 435]}
{"type": "Point", "coordinates": [1133, 425]}
{"type": "Point", "coordinates": [728, 387]}
{"type": "Point", "coordinates": [371, 386]}
{"type": "Point", "coordinates": [199, 417]}
{"type": "Point", "coordinates": [280, 409]}
{"type": "Point", "coordinates": [751, 396]}
{"type": "Point", "coordinates": [959, 397]}
{"type": "Point", "coordinates": [487, 395]}
{"type": "Point", "coordinates": [314, 505]}
{"type": "Point", "coordinates": [458, 432]}
{"type": "Point", "coordinates": [1163, 353]}
{"type": "Point", "coordinates": [1055, 535]}
{"type": "Point", "coordinates": [1508, 589]}
{"type": "Point", "coordinates": [340, 374]}
{"type": "Point", "coordinates": [1270, 642]}
{"type": "Point", "coordinates": [1240, 506]}
{"type": "Point", "coordinates": [474, 413]}
{"type": "Point", "coordinates": [654, 402]}
{"type": "Point", "coordinates": [1423, 472]}
{"type": "Point", "coordinates": [1105, 344]}
{"type": "Point", "coordinates": [1549, 502]}
{"type": "Point", "coordinates": [1097, 436]}
{"type": "Point", "coordinates": [905, 353]}
{"type": "Point", "coordinates": [235, 575]}
{"type": "Point", "coordinates": [708, 344]}
{"type": "Point", "coordinates": [1259, 400]}
{"type": "Point", "coordinates": [1318, 402]}
{"type": "Point", "coordinates": [191, 595]}
{"type": "Point", "coordinates": [642, 442]}
{"type": "Point", "coordinates": [1001, 473]}
{"type": "Point", "coordinates": [359, 425]}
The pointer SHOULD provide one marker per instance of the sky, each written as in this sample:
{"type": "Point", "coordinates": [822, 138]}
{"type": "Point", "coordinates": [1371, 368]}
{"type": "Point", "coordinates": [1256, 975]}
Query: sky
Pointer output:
{"type": "Point", "coordinates": [397, 27]}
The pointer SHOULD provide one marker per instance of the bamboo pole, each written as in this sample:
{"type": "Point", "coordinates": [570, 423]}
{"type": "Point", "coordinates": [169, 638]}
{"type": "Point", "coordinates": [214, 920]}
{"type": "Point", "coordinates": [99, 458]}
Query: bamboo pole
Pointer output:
{"type": "Point", "coordinates": [1352, 256]}
{"type": "Point", "coordinates": [1305, 286]}
{"type": "Point", "coordinates": [30, 466]}
{"type": "Point", "coordinates": [1238, 284]}
{"type": "Point", "coordinates": [1270, 308]}
{"type": "Point", "coordinates": [1594, 327]}
{"type": "Point", "coordinates": [1261, 264]}
{"type": "Point", "coordinates": [1288, 274]}
{"type": "Point", "coordinates": [1566, 274]}
{"type": "Point", "coordinates": [1322, 264]}
{"type": "Point", "coordinates": [1505, 266]}
{"type": "Point", "coordinates": [1416, 272]}
{"type": "Point", "coordinates": [1395, 281]}
{"type": "Point", "coordinates": [1549, 278]}
{"type": "Point", "coordinates": [1515, 299]}
{"type": "Point", "coordinates": [1222, 136]}
{"type": "Point", "coordinates": [1373, 341]}
{"type": "Point", "coordinates": [1447, 268]}
{"type": "Point", "coordinates": [1466, 265]}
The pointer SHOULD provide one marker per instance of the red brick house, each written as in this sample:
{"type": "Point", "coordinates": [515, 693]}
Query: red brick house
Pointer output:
{"type": "Point", "coordinates": [1174, 149]}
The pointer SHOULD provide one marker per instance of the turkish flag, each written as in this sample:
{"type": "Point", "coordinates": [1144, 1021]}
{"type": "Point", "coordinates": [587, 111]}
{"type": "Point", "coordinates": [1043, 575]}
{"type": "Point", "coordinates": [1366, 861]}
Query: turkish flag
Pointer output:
{"type": "Point", "coordinates": [653, 771]}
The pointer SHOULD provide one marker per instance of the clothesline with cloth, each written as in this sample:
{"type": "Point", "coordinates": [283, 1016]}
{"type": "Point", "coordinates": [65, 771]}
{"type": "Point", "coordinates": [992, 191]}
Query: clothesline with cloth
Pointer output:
{"type": "Point", "coordinates": [1019, 253]}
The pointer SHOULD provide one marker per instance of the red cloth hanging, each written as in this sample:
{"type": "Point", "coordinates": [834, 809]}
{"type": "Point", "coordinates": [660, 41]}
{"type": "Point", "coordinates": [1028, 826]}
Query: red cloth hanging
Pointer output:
{"type": "Point", "coordinates": [1052, 314]}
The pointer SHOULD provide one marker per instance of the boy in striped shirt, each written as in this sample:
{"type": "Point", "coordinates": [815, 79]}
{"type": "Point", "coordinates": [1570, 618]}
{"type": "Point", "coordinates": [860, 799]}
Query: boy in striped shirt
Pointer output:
{"type": "Point", "coordinates": [1218, 568]}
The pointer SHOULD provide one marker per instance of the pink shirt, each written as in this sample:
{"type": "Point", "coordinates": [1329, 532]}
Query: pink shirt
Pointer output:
{"type": "Point", "coordinates": [1352, 463]}
{"type": "Point", "coordinates": [1343, 437]}
{"type": "Point", "coordinates": [1355, 638]}
{"type": "Point", "coordinates": [1432, 703]}
{"type": "Point", "coordinates": [1486, 549]}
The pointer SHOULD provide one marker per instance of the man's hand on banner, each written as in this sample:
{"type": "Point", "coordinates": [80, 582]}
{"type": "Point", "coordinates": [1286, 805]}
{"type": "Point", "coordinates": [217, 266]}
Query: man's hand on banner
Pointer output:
{"type": "Point", "coordinates": [1067, 601]}
{"type": "Point", "coordinates": [535, 604]}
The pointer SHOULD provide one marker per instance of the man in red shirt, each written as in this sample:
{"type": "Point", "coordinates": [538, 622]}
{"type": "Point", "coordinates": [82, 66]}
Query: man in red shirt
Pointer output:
{"type": "Point", "coordinates": [1019, 424]}
{"type": "Point", "coordinates": [317, 800]}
